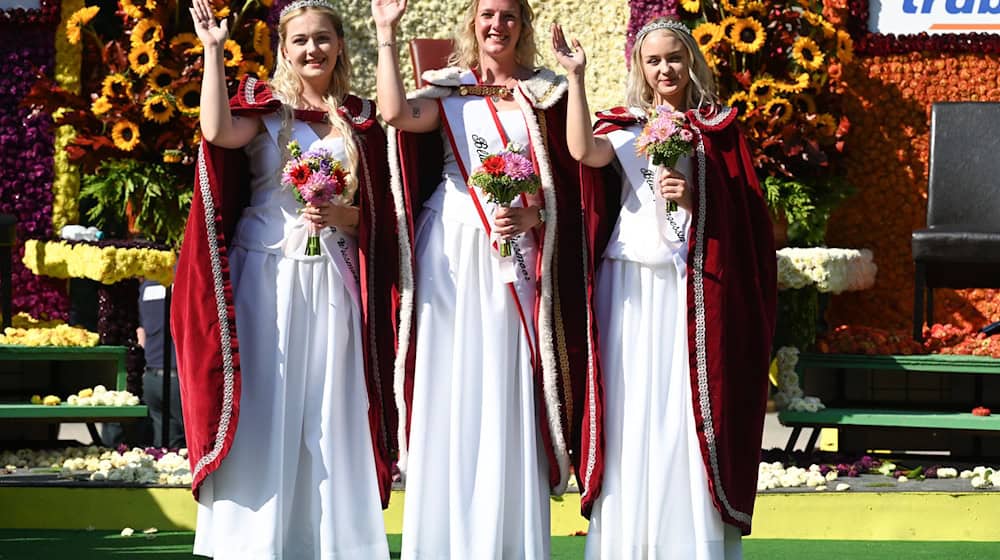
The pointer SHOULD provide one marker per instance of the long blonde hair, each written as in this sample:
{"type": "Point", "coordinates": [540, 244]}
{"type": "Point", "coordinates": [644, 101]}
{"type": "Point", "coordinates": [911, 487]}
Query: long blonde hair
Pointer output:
{"type": "Point", "coordinates": [701, 88]}
{"type": "Point", "coordinates": [466, 53]}
{"type": "Point", "coordinates": [287, 86]}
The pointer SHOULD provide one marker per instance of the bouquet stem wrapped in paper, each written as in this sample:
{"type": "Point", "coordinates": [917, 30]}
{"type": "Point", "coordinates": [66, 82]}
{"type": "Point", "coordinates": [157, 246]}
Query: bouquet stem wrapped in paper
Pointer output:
{"type": "Point", "coordinates": [666, 137]}
{"type": "Point", "coordinates": [503, 177]}
{"type": "Point", "coordinates": [316, 177]}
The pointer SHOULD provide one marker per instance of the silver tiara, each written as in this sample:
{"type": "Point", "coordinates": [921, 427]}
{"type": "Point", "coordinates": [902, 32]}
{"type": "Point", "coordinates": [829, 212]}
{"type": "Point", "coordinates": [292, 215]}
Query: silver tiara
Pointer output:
{"type": "Point", "coordinates": [297, 4]}
{"type": "Point", "coordinates": [662, 24]}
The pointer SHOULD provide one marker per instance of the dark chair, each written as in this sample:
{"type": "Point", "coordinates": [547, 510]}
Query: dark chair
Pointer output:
{"type": "Point", "coordinates": [960, 248]}
{"type": "Point", "coordinates": [428, 54]}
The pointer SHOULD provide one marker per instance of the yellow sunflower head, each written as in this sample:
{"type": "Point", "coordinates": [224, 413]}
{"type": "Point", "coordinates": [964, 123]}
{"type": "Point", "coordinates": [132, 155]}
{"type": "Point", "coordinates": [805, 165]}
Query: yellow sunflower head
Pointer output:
{"type": "Point", "coordinates": [727, 25]}
{"type": "Point", "coordinates": [186, 43]}
{"type": "Point", "coordinates": [707, 35]}
{"type": "Point", "coordinates": [221, 10]}
{"type": "Point", "coordinates": [76, 22]}
{"type": "Point", "coordinates": [691, 6]}
{"type": "Point", "coordinates": [233, 53]}
{"type": "Point", "coordinates": [804, 103]}
{"type": "Point", "coordinates": [131, 9]}
{"type": "Point", "coordinates": [116, 85]}
{"type": "Point", "coordinates": [146, 31]}
{"type": "Point", "coordinates": [741, 102]}
{"type": "Point", "coordinates": [762, 89]}
{"type": "Point", "coordinates": [100, 106]}
{"type": "Point", "coordinates": [125, 135]}
{"type": "Point", "coordinates": [806, 53]}
{"type": "Point", "coordinates": [747, 35]}
{"type": "Point", "coordinates": [780, 109]}
{"type": "Point", "coordinates": [819, 22]}
{"type": "Point", "coordinates": [188, 99]}
{"type": "Point", "coordinates": [150, 5]}
{"type": "Point", "coordinates": [160, 78]}
{"type": "Point", "coordinates": [157, 108]}
{"type": "Point", "coordinates": [143, 59]}
{"type": "Point", "coordinates": [845, 47]}
{"type": "Point", "coordinates": [826, 125]}
{"type": "Point", "coordinates": [261, 38]}
{"type": "Point", "coordinates": [249, 67]}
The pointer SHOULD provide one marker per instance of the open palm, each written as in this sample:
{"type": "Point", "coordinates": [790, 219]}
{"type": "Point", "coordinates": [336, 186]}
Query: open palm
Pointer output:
{"type": "Point", "coordinates": [210, 31]}
{"type": "Point", "coordinates": [572, 59]}
{"type": "Point", "coordinates": [387, 13]}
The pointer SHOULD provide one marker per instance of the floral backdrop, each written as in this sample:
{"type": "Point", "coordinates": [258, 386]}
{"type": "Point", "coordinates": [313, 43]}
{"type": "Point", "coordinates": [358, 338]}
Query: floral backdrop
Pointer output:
{"type": "Point", "coordinates": [888, 99]}
{"type": "Point", "coordinates": [26, 140]}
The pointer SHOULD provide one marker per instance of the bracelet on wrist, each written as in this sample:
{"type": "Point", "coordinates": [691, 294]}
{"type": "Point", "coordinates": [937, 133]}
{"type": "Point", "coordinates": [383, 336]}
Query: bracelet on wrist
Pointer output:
{"type": "Point", "coordinates": [386, 44]}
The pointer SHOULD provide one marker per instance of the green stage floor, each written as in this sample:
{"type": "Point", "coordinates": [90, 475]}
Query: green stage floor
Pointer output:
{"type": "Point", "coordinates": [24, 544]}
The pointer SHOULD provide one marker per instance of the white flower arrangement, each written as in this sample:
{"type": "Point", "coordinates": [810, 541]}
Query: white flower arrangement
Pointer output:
{"type": "Point", "coordinates": [790, 396]}
{"type": "Point", "coordinates": [830, 270]}
{"type": "Point", "coordinates": [775, 475]}
{"type": "Point", "coordinates": [982, 477]}
{"type": "Point", "coordinates": [101, 396]}
{"type": "Point", "coordinates": [134, 465]}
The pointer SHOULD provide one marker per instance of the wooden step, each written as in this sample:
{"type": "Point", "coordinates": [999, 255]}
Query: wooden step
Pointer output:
{"type": "Point", "coordinates": [842, 417]}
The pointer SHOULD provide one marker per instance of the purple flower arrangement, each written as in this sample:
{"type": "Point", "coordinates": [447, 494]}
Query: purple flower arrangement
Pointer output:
{"type": "Point", "coordinates": [26, 150]}
{"type": "Point", "coordinates": [640, 12]}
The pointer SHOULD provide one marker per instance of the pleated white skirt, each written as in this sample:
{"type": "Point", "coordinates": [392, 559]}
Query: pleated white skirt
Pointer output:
{"type": "Point", "coordinates": [299, 482]}
{"type": "Point", "coordinates": [476, 484]}
{"type": "Point", "coordinates": [655, 501]}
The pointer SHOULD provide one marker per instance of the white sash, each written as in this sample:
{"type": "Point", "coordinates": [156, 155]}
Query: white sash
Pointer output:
{"type": "Point", "coordinates": [643, 205]}
{"type": "Point", "coordinates": [341, 248]}
{"type": "Point", "coordinates": [473, 134]}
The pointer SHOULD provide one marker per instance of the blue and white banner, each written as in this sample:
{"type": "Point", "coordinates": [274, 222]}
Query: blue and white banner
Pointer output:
{"type": "Point", "coordinates": [909, 17]}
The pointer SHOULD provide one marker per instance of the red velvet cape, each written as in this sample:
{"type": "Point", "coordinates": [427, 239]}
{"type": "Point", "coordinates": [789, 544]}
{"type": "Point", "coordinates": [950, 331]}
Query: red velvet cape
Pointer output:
{"type": "Point", "coordinates": [577, 376]}
{"type": "Point", "coordinates": [202, 315]}
{"type": "Point", "coordinates": [732, 298]}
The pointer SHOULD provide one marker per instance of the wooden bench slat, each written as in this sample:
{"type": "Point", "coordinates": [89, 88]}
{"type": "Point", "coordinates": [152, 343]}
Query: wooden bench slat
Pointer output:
{"type": "Point", "coordinates": [931, 363]}
{"type": "Point", "coordinates": [67, 413]}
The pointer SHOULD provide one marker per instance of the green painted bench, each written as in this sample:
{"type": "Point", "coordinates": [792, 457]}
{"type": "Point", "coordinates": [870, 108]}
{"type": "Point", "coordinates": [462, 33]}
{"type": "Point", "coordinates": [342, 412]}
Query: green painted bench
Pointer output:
{"type": "Point", "coordinates": [21, 411]}
{"type": "Point", "coordinates": [893, 418]}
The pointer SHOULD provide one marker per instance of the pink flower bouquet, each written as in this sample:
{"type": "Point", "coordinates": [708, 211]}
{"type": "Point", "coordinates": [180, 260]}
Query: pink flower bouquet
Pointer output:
{"type": "Point", "coordinates": [503, 177]}
{"type": "Point", "coordinates": [316, 177]}
{"type": "Point", "coordinates": [666, 137]}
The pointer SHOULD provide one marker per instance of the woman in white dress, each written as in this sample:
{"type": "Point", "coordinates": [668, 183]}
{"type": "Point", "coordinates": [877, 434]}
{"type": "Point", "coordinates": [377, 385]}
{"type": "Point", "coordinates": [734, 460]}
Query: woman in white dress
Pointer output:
{"type": "Point", "coordinates": [298, 466]}
{"type": "Point", "coordinates": [671, 416]}
{"type": "Point", "coordinates": [482, 386]}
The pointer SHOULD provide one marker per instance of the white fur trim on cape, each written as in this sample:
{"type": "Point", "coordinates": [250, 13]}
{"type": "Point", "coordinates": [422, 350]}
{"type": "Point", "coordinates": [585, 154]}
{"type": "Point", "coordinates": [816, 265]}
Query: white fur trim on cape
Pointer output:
{"type": "Point", "coordinates": [541, 91]}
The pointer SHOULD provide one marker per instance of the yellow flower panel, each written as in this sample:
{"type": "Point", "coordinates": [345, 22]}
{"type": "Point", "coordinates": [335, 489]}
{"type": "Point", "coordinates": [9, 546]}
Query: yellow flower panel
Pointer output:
{"type": "Point", "coordinates": [107, 265]}
{"type": "Point", "coordinates": [66, 179]}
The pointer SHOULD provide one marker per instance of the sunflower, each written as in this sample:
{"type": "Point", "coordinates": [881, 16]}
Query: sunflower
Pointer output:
{"type": "Point", "coordinates": [233, 53]}
{"type": "Point", "coordinates": [130, 9]}
{"type": "Point", "coordinates": [188, 99]}
{"type": "Point", "coordinates": [252, 68]}
{"type": "Point", "coordinates": [804, 103]}
{"type": "Point", "coordinates": [125, 135]}
{"type": "Point", "coordinates": [711, 59]}
{"type": "Point", "coordinates": [707, 35]}
{"type": "Point", "coordinates": [150, 5]}
{"type": "Point", "coordinates": [741, 102]}
{"type": "Point", "coordinates": [806, 54]}
{"type": "Point", "coordinates": [143, 59]}
{"type": "Point", "coordinates": [221, 13]}
{"type": "Point", "coordinates": [146, 31]}
{"type": "Point", "coordinates": [743, 8]}
{"type": "Point", "coordinates": [261, 38]}
{"type": "Point", "coordinates": [826, 124]}
{"type": "Point", "coordinates": [819, 22]}
{"type": "Point", "coordinates": [76, 21]}
{"type": "Point", "coordinates": [691, 6]}
{"type": "Point", "coordinates": [116, 85]}
{"type": "Point", "coordinates": [727, 24]}
{"type": "Point", "coordinates": [747, 35]}
{"type": "Point", "coordinates": [160, 78]}
{"type": "Point", "coordinates": [187, 43]}
{"type": "Point", "coordinates": [780, 109]}
{"type": "Point", "coordinates": [762, 89]}
{"type": "Point", "coordinates": [100, 106]}
{"type": "Point", "coordinates": [157, 108]}
{"type": "Point", "coordinates": [845, 47]}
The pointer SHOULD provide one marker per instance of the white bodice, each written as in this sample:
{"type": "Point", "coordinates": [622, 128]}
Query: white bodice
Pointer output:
{"type": "Point", "coordinates": [273, 210]}
{"type": "Point", "coordinates": [451, 198]}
